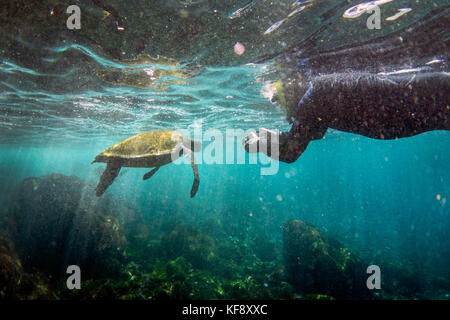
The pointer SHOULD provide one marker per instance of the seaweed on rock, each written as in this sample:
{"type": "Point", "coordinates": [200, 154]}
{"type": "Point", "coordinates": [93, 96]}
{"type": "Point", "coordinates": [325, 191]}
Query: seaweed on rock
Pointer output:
{"type": "Point", "coordinates": [316, 264]}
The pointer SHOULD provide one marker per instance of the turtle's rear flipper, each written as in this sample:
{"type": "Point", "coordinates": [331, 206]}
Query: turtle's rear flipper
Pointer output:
{"type": "Point", "coordinates": [149, 174]}
{"type": "Point", "coordinates": [107, 178]}
{"type": "Point", "coordinates": [196, 183]}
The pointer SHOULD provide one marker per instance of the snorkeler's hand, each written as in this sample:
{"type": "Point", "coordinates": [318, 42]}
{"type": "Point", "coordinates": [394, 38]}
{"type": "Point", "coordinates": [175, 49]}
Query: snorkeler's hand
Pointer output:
{"type": "Point", "coordinates": [263, 140]}
{"type": "Point", "coordinates": [282, 146]}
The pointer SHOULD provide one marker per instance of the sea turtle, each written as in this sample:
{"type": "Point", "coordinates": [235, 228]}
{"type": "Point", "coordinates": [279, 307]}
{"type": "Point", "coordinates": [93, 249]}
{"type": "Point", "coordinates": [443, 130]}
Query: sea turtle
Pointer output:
{"type": "Point", "coordinates": [150, 149]}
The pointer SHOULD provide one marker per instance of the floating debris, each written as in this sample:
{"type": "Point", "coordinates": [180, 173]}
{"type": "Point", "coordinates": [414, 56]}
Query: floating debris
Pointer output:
{"type": "Point", "coordinates": [401, 71]}
{"type": "Point", "coordinates": [360, 9]}
{"type": "Point", "coordinates": [241, 11]}
{"type": "Point", "coordinates": [239, 48]}
{"type": "Point", "coordinates": [400, 13]}
{"type": "Point", "coordinates": [275, 26]}
{"type": "Point", "coordinates": [300, 9]}
{"type": "Point", "coordinates": [300, 2]}
{"type": "Point", "coordinates": [433, 61]}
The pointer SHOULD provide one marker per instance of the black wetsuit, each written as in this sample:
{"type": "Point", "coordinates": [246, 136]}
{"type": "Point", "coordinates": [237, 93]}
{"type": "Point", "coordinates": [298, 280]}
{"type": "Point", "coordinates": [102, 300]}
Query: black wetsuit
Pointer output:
{"type": "Point", "coordinates": [374, 105]}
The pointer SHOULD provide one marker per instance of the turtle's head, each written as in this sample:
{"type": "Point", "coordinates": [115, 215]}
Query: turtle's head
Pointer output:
{"type": "Point", "coordinates": [263, 140]}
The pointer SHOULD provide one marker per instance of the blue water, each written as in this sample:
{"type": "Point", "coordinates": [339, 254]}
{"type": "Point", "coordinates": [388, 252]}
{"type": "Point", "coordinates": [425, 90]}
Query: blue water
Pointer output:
{"type": "Point", "coordinates": [388, 201]}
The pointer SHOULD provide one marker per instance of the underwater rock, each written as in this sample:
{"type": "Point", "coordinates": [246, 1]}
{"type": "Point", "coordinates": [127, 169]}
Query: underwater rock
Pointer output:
{"type": "Point", "coordinates": [403, 280]}
{"type": "Point", "coordinates": [10, 268]}
{"type": "Point", "coordinates": [41, 213]}
{"type": "Point", "coordinates": [318, 265]}
{"type": "Point", "coordinates": [15, 283]}
{"type": "Point", "coordinates": [265, 249]}
{"type": "Point", "coordinates": [188, 242]}
{"type": "Point", "coordinates": [57, 221]}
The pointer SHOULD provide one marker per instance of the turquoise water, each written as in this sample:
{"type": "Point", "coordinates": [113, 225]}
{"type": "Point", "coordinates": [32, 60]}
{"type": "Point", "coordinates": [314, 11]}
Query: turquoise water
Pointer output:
{"type": "Point", "coordinates": [387, 201]}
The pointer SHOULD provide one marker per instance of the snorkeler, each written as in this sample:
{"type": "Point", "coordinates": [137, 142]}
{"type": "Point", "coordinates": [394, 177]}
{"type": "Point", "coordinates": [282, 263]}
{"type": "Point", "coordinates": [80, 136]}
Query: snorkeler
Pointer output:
{"type": "Point", "coordinates": [387, 88]}
{"type": "Point", "coordinates": [381, 106]}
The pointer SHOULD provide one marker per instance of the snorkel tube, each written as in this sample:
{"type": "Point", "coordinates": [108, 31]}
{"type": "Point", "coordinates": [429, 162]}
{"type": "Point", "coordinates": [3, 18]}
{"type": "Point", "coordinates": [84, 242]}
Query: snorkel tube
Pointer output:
{"type": "Point", "coordinates": [280, 93]}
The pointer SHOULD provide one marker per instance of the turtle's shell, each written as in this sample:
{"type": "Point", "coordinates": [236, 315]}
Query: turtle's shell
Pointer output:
{"type": "Point", "coordinates": [142, 145]}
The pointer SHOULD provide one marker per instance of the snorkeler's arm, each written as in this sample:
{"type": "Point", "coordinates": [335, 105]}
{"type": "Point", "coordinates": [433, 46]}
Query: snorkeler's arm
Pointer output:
{"type": "Point", "coordinates": [307, 126]}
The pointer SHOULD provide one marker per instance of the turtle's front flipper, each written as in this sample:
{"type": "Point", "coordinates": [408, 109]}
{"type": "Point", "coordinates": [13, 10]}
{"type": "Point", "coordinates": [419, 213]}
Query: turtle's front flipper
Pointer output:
{"type": "Point", "coordinates": [190, 155]}
{"type": "Point", "coordinates": [149, 174]}
{"type": "Point", "coordinates": [107, 178]}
